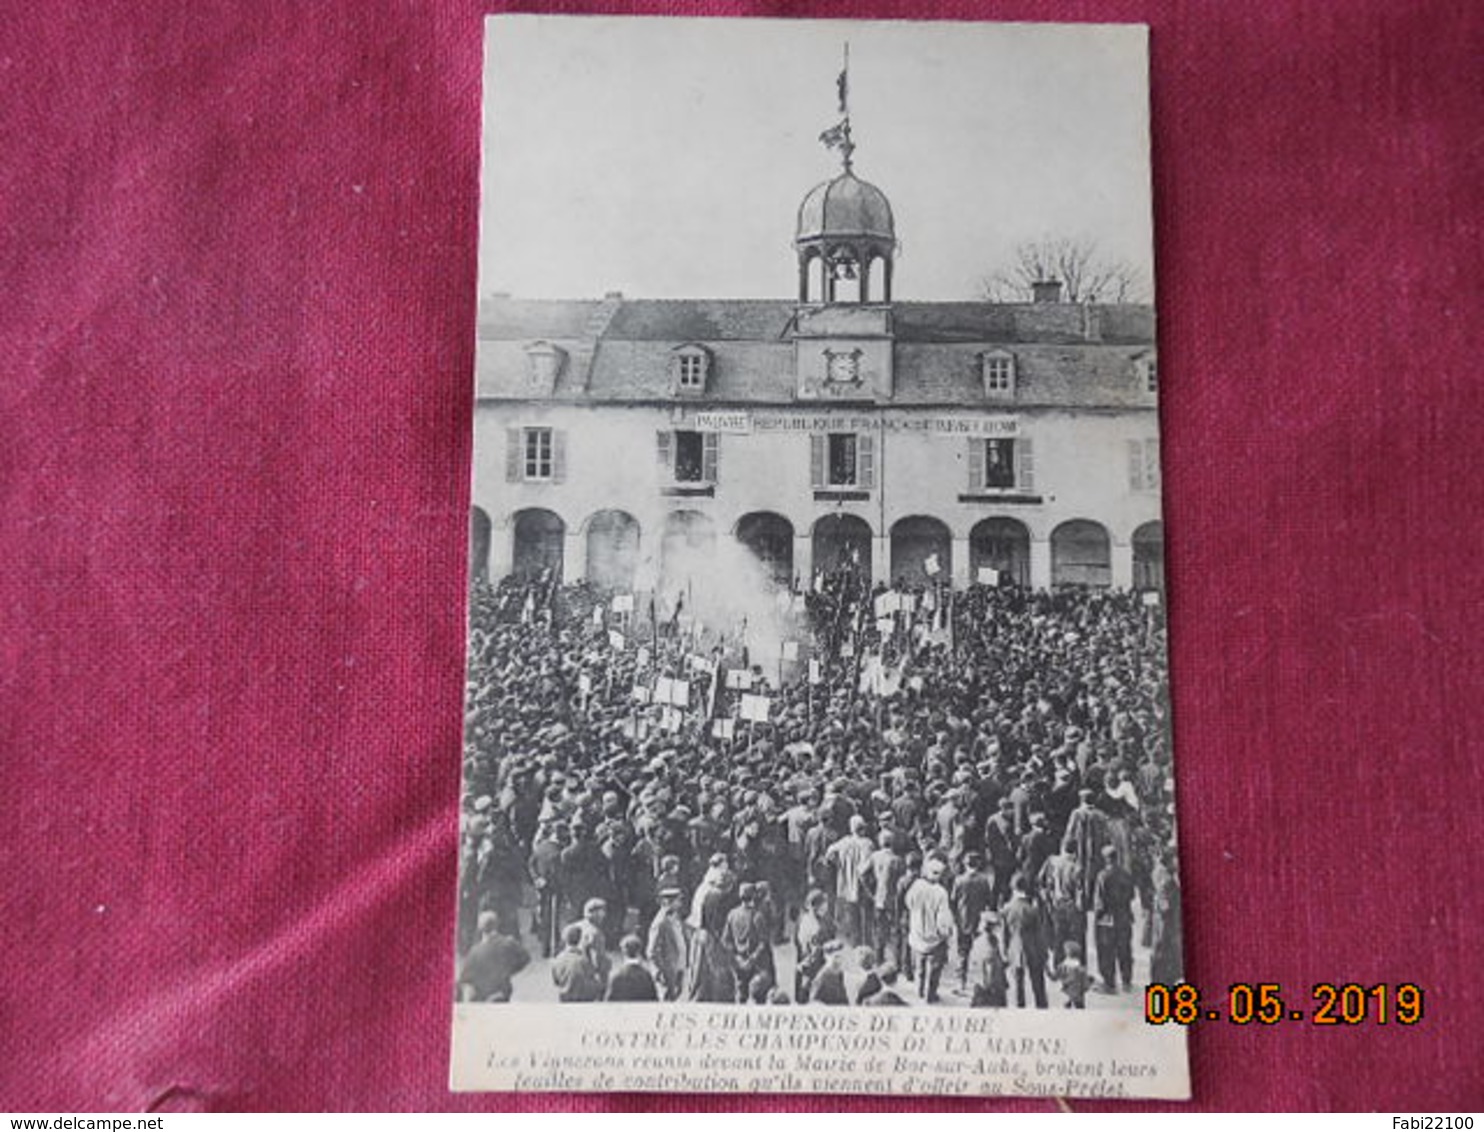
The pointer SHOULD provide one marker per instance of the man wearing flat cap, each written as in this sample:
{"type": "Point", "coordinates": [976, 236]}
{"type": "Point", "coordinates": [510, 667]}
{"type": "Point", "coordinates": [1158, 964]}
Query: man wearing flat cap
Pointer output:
{"type": "Point", "coordinates": [1113, 921]}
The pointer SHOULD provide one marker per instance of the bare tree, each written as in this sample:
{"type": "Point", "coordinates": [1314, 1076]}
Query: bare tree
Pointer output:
{"type": "Point", "coordinates": [1086, 276]}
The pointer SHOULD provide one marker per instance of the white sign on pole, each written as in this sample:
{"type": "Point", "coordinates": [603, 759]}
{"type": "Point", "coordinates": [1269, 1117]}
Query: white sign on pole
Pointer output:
{"type": "Point", "coordinates": [597, 615]}
{"type": "Point", "coordinates": [623, 603]}
{"type": "Point", "coordinates": [790, 650]}
{"type": "Point", "coordinates": [989, 576]}
{"type": "Point", "coordinates": [615, 639]}
{"type": "Point", "coordinates": [815, 675]}
{"type": "Point", "coordinates": [641, 694]}
{"type": "Point", "coordinates": [723, 728]}
{"type": "Point", "coordinates": [642, 660]}
{"type": "Point", "coordinates": [739, 679]}
{"type": "Point", "coordinates": [1151, 598]}
{"type": "Point", "coordinates": [847, 650]}
{"type": "Point", "coordinates": [755, 708]}
{"type": "Point", "coordinates": [680, 692]}
{"type": "Point", "coordinates": [885, 625]}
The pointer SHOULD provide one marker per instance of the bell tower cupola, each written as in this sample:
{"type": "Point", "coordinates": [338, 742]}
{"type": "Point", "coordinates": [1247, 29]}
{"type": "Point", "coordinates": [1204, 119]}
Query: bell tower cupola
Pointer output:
{"type": "Point", "coordinates": [845, 238]}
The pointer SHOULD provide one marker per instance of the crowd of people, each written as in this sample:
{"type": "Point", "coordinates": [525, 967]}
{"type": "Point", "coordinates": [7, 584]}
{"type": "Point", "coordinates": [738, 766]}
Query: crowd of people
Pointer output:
{"type": "Point", "coordinates": [972, 785]}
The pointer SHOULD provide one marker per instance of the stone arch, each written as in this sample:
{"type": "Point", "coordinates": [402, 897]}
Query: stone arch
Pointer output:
{"type": "Point", "coordinates": [480, 537]}
{"type": "Point", "coordinates": [1149, 556]}
{"type": "Point", "coordinates": [612, 550]}
{"type": "Point", "coordinates": [539, 537]}
{"type": "Point", "coordinates": [1003, 544]}
{"type": "Point", "coordinates": [770, 538]}
{"type": "Point", "coordinates": [842, 540]}
{"type": "Point", "coordinates": [914, 541]}
{"type": "Point", "coordinates": [1081, 554]}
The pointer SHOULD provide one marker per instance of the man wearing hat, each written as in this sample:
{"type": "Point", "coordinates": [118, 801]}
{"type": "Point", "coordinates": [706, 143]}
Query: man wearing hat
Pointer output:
{"type": "Point", "coordinates": [929, 927]}
{"type": "Point", "coordinates": [847, 859]}
{"type": "Point", "coordinates": [668, 949]}
{"type": "Point", "coordinates": [546, 874]}
{"type": "Point", "coordinates": [988, 982]}
{"type": "Point", "coordinates": [1036, 846]}
{"type": "Point", "coordinates": [1113, 922]}
{"type": "Point", "coordinates": [1087, 833]}
{"type": "Point", "coordinates": [1003, 849]}
{"type": "Point", "coordinates": [1060, 885]}
{"type": "Point", "coordinates": [594, 940]}
{"type": "Point", "coordinates": [973, 892]}
{"type": "Point", "coordinates": [746, 937]}
{"type": "Point", "coordinates": [1027, 936]}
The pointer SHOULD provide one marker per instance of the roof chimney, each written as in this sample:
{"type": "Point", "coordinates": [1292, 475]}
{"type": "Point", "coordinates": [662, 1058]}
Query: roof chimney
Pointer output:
{"type": "Point", "coordinates": [1046, 291]}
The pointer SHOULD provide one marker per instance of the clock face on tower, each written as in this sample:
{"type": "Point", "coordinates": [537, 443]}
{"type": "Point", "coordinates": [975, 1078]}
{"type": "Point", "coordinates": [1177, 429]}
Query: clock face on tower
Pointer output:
{"type": "Point", "coordinates": [843, 367]}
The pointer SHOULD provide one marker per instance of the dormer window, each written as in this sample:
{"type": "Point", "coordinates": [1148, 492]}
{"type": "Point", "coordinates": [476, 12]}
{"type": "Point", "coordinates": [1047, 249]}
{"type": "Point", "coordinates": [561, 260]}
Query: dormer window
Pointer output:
{"type": "Point", "coordinates": [689, 369]}
{"type": "Point", "coordinates": [1147, 371]}
{"type": "Point", "coordinates": [999, 374]}
{"type": "Point", "coordinates": [543, 366]}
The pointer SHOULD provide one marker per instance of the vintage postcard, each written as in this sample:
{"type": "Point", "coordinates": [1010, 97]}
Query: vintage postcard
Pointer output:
{"type": "Point", "coordinates": [817, 732]}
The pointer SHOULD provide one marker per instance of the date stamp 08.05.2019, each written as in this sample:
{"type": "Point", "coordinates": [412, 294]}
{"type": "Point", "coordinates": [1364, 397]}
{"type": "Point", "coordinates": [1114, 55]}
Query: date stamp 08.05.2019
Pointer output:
{"type": "Point", "coordinates": [1264, 1004]}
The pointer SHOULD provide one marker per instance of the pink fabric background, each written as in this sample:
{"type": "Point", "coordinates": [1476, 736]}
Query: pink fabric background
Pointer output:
{"type": "Point", "coordinates": [237, 324]}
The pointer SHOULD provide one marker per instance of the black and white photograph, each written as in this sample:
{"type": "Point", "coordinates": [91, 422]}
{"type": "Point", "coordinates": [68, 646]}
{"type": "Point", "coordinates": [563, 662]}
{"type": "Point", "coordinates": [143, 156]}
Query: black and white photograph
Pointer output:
{"type": "Point", "coordinates": [817, 730]}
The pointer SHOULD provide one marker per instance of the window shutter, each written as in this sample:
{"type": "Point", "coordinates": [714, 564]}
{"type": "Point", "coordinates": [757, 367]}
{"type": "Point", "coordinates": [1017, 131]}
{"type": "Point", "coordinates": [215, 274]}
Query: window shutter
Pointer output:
{"type": "Point", "coordinates": [558, 455]}
{"type": "Point", "coordinates": [817, 459]}
{"type": "Point", "coordinates": [665, 453]}
{"type": "Point", "coordinates": [1136, 465]}
{"type": "Point", "coordinates": [1151, 464]}
{"type": "Point", "coordinates": [513, 455]}
{"type": "Point", "coordinates": [976, 463]}
{"type": "Point", "coordinates": [1027, 464]}
{"type": "Point", "coordinates": [708, 457]}
{"type": "Point", "coordinates": [865, 461]}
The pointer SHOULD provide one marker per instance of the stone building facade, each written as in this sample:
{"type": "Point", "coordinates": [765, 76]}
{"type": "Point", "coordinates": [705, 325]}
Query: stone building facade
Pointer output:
{"type": "Point", "coordinates": [844, 426]}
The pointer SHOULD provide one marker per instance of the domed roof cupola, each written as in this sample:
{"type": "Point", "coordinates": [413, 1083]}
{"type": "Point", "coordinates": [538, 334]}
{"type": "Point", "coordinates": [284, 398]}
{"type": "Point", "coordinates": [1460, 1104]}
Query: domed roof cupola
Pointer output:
{"type": "Point", "coordinates": [845, 238]}
{"type": "Point", "coordinates": [845, 208]}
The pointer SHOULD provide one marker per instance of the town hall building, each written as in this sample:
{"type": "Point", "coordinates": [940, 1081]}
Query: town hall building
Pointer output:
{"type": "Point", "coordinates": [841, 427]}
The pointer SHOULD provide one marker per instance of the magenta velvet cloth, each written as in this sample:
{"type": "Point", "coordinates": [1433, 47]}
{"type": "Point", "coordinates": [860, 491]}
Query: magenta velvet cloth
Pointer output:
{"type": "Point", "coordinates": [237, 326]}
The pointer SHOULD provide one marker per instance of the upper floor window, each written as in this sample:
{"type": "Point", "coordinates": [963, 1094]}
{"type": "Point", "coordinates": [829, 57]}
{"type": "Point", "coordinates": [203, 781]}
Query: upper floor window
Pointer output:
{"type": "Point", "coordinates": [543, 366]}
{"type": "Point", "coordinates": [1143, 465]}
{"type": "Point", "coordinates": [843, 461]}
{"type": "Point", "coordinates": [1001, 464]}
{"type": "Point", "coordinates": [535, 455]}
{"type": "Point", "coordinates": [1146, 367]}
{"type": "Point", "coordinates": [538, 454]}
{"type": "Point", "coordinates": [690, 365]}
{"type": "Point", "coordinates": [687, 456]}
{"type": "Point", "coordinates": [999, 373]}
{"type": "Point", "coordinates": [692, 372]}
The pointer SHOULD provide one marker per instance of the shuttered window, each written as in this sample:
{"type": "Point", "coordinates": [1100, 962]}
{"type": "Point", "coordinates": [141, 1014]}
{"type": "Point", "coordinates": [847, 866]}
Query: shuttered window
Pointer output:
{"type": "Point", "coordinates": [687, 456]}
{"type": "Point", "coordinates": [1143, 465]}
{"type": "Point", "coordinates": [535, 455]}
{"type": "Point", "coordinates": [865, 457]}
{"type": "Point", "coordinates": [1001, 464]}
{"type": "Point", "coordinates": [1026, 461]}
{"type": "Point", "coordinates": [842, 460]}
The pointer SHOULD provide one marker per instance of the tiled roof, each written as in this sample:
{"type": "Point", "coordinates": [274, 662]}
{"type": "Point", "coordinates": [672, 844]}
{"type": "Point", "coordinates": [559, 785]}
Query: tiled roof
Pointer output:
{"type": "Point", "coordinates": [620, 350]}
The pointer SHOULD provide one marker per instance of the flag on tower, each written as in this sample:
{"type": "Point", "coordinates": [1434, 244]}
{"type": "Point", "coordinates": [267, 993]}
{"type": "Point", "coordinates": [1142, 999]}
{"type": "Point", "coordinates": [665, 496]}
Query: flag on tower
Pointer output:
{"type": "Point", "coordinates": [836, 136]}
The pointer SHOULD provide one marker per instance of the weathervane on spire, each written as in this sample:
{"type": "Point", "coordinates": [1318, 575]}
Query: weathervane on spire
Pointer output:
{"type": "Point", "coordinates": [838, 135]}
